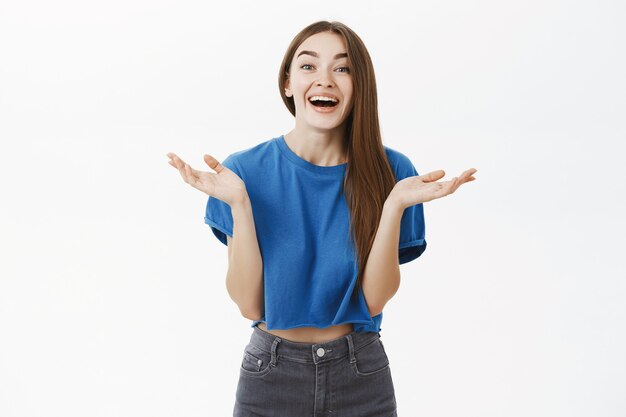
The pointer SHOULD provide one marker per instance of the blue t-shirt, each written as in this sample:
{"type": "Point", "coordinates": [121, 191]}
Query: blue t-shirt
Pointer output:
{"type": "Point", "coordinates": [302, 226]}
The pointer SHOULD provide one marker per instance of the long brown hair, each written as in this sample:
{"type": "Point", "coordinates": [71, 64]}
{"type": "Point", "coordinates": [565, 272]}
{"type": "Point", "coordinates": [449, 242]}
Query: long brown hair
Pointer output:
{"type": "Point", "coordinates": [369, 177]}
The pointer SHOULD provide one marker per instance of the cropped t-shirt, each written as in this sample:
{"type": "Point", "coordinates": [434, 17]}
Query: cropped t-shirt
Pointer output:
{"type": "Point", "coordinates": [302, 225]}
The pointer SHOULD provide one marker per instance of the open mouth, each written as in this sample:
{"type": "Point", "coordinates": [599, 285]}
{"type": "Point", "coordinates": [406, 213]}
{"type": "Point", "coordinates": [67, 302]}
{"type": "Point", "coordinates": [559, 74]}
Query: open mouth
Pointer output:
{"type": "Point", "coordinates": [323, 102]}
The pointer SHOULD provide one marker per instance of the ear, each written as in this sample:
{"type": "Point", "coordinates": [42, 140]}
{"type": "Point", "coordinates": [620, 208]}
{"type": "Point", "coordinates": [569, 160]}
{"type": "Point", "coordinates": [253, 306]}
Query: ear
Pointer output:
{"type": "Point", "coordinates": [287, 87]}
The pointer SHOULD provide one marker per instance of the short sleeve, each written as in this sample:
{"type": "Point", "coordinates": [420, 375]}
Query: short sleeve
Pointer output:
{"type": "Point", "coordinates": [217, 214]}
{"type": "Point", "coordinates": [412, 241]}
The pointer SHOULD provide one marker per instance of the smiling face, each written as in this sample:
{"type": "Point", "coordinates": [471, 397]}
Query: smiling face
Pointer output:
{"type": "Point", "coordinates": [320, 68]}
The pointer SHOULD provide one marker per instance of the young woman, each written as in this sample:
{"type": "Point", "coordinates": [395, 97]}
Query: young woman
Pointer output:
{"type": "Point", "coordinates": [317, 222]}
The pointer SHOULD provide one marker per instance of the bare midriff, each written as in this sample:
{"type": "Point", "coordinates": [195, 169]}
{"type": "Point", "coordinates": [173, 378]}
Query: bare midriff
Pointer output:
{"type": "Point", "coordinates": [311, 334]}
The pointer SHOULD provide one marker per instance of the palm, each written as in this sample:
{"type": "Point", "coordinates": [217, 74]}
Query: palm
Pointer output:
{"type": "Point", "coordinates": [422, 188]}
{"type": "Point", "coordinates": [224, 185]}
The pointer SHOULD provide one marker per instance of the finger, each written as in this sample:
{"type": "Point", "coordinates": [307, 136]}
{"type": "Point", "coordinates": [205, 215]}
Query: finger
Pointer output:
{"type": "Point", "coordinates": [465, 174]}
{"type": "Point", "coordinates": [180, 164]}
{"type": "Point", "coordinates": [173, 157]}
{"type": "Point", "coordinates": [459, 183]}
{"type": "Point", "coordinates": [432, 176]}
{"type": "Point", "coordinates": [190, 177]}
{"type": "Point", "coordinates": [213, 163]}
{"type": "Point", "coordinates": [183, 174]}
{"type": "Point", "coordinates": [468, 179]}
{"type": "Point", "coordinates": [184, 169]}
{"type": "Point", "coordinates": [194, 174]}
{"type": "Point", "coordinates": [454, 184]}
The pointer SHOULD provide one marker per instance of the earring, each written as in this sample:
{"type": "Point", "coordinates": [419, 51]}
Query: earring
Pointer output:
{"type": "Point", "coordinates": [287, 93]}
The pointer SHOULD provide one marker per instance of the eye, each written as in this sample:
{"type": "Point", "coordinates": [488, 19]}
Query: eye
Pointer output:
{"type": "Point", "coordinates": [309, 65]}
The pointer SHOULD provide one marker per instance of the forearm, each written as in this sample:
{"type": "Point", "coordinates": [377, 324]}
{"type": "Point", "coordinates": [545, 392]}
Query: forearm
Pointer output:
{"type": "Point", "coordinates": [244, 280]}
{"type": "Point", "coordinates": [381, 276]}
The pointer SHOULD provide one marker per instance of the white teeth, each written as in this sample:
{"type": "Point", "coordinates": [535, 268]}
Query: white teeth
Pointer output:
{"type": "Point", "coordinates": [322, 98]}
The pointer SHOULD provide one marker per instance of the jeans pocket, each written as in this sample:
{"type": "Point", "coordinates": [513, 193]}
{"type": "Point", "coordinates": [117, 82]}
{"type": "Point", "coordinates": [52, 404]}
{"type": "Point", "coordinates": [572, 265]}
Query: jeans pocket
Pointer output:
{"type": "Point", "coordinates": [256, 361]}
{"type": "Point", "coordinates": [371, 359]}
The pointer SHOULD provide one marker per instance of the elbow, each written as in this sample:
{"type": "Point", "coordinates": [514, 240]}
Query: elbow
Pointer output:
{"type": "Point", "coordinates": [250, 305]}
{"type": "Point", "coordinates": [376, 307]}
{"type": "Point", "coordinates": [251, 313]}
{"type": "Point", "coordinates": [375, 310]}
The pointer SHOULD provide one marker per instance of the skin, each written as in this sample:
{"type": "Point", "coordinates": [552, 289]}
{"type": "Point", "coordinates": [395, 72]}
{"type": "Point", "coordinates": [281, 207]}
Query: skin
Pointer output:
{"type": "Point", "coordinates": [424, 188]}
{"type": "Point", "coordinates": [317, 138]}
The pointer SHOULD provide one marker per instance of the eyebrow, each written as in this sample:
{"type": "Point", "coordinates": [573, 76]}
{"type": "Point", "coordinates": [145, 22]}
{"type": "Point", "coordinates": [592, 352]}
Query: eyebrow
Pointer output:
{"type": "Point", "coordinates": [315, 54]}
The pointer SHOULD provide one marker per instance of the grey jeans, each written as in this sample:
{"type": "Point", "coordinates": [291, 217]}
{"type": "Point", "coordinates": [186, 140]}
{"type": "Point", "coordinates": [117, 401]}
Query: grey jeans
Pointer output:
{"type": "Point", "coordinates": [344, 377]}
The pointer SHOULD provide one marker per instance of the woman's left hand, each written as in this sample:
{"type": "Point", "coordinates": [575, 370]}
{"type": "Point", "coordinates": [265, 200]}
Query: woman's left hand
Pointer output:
{"type": "Point", "coordinates": [422, 188]}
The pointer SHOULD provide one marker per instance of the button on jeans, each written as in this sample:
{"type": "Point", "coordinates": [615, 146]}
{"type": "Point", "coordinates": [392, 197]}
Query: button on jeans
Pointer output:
{"type": "Point", "coordinates": [345, 377]}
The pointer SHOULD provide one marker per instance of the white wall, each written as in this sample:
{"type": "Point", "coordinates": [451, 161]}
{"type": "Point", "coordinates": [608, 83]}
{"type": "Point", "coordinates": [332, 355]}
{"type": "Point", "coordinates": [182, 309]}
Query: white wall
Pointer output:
{"type": "Point", "coordinates": [112, 288]}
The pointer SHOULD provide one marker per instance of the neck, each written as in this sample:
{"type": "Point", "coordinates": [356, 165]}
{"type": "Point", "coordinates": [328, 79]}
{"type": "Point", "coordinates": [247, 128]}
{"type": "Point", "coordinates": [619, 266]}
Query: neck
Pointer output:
{"type": "Point", "coordinates": [320, 148]}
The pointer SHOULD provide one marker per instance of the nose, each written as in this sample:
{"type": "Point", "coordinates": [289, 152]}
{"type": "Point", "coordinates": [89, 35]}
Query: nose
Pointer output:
{"type": "Point", "coordinates": [325, 82]}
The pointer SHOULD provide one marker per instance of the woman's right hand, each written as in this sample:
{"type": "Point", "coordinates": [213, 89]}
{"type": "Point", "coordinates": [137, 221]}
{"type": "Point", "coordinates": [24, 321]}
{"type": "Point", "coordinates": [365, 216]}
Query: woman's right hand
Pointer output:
{"type": "Point", "coordinates": [224, 185]}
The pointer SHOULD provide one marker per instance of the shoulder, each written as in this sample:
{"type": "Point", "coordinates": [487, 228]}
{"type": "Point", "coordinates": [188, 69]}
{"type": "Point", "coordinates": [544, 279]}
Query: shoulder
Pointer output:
{"type": "Point", "coordinates": [248, 157]}
{"type": "Point", "coordinates": [400, 163]}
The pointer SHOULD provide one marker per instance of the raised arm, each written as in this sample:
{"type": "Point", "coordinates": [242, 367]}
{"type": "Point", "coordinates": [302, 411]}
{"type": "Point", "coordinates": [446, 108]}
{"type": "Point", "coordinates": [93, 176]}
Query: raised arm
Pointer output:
{"type": "Point", "coordinates": [244, 280]}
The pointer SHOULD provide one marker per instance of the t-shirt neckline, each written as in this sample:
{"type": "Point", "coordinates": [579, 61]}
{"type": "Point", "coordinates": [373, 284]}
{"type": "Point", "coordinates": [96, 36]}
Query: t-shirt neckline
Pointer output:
{"type": "Point", "coordinates": [303, 163]}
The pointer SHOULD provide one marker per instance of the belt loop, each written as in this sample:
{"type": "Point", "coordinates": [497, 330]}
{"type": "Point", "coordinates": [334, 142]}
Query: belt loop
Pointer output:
{"type": "Point", "coordinates": [351, 348]}
{"type": "Point", "coordinates": [275, 343]}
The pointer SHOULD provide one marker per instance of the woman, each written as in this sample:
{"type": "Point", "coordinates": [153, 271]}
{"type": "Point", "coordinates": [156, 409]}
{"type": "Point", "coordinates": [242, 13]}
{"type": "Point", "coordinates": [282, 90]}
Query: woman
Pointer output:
{"type": "Point", "coordinates": [317, 222]}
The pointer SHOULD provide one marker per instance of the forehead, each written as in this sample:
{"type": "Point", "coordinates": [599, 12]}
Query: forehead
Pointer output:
{"type": "Point", "coordinates": [326, 44]}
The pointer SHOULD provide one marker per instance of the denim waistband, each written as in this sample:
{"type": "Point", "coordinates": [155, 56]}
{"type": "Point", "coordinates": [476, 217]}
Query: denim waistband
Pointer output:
{"type": "Point", "coordinates": [311, 352]}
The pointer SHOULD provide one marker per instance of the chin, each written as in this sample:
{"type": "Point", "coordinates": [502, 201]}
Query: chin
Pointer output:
{"type": "Point", "coordinates": [328, 122]}
{"type": "Point", "coordinates": [325, 126]}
